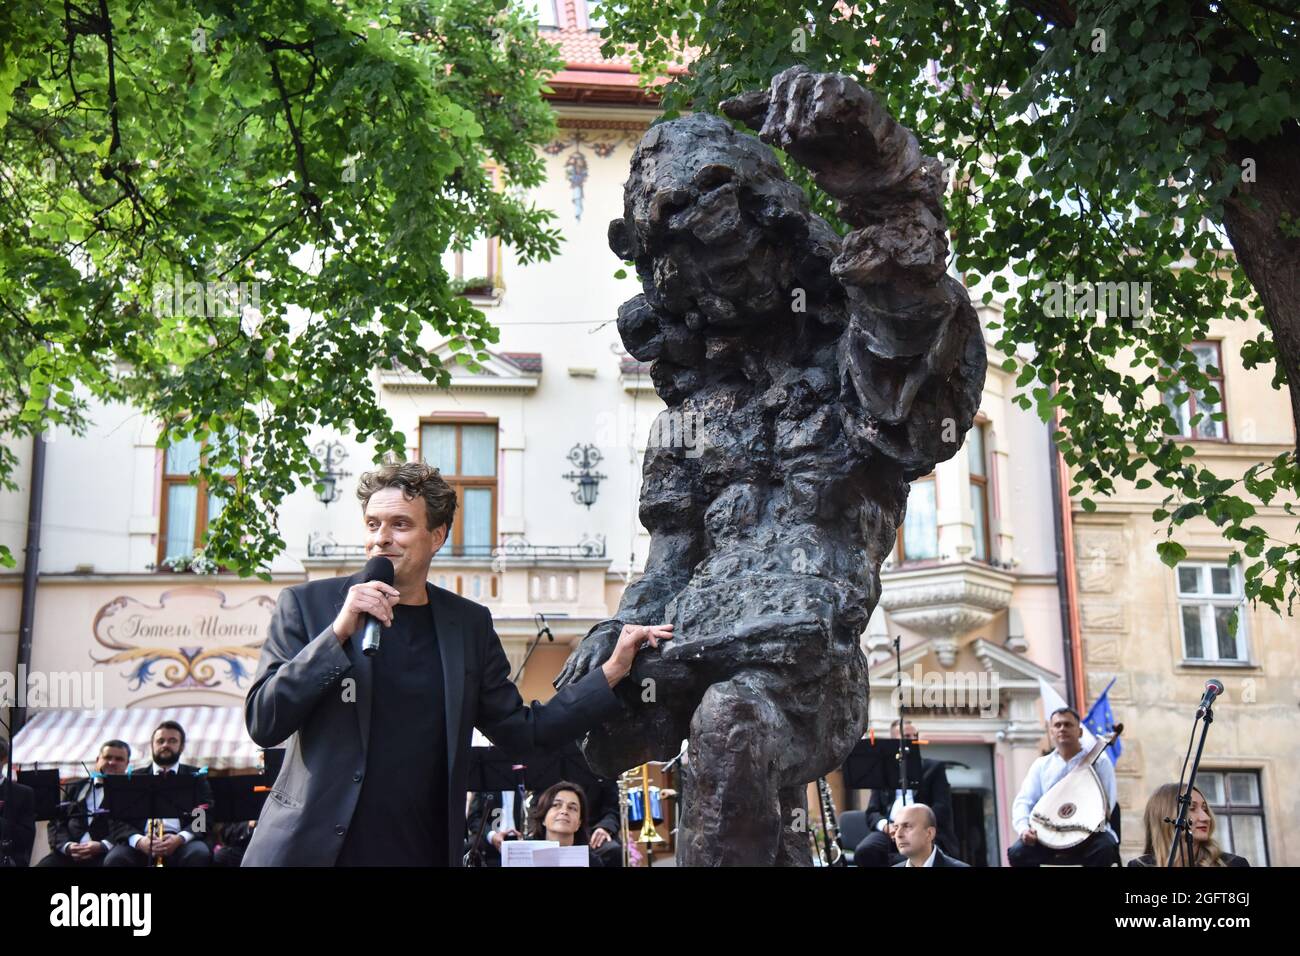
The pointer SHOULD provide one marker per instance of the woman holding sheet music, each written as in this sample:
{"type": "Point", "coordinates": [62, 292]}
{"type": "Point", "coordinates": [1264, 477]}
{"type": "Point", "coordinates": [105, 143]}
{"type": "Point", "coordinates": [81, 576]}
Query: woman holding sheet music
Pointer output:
{"type": "Point", "coordinates": [560, 814]}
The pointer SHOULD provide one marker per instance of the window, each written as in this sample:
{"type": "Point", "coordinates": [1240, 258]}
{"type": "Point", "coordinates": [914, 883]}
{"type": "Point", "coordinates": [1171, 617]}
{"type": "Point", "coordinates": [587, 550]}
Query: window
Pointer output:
{"type": "Point", "coordinates": [466, 454]}
{"type": "Point", "coordinates": [595, 16]}
{"type": "Point", "coordinates": [979, 490]}
{"type": "Point", "coordinates": [476, 269]}
{"type": "Point", "coordinates": [918, 538]}
{"type": "Point", "coordinates": [1207, 596]}
{"type": "Point", "coordinates": [545, 11]}
{"type": "Point", "coordinates": [1238, 811]}
{"type": "Point", "coordinates": [1185, 406]}
{"type": "Point", "coordinates": [187, 509]}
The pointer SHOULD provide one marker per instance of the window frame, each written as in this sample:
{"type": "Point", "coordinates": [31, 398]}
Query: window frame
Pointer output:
{"type": "Point", "coordinates": [455, 548]}
{"type": "Point", "coordinates": [201, 511]}
{"type": "Point", "coordinates": [1208, 601]}
{"type": "Point", "coordinates": [1191, 404]}
{"type": "Point", "coordinates": [983, 482]}
{"type": "Point", "coordinates": [494, 260]}
{"type": "Point", "coordinates": [1223, 811]}
{"type": "Point", "coordinates": [900, 553]}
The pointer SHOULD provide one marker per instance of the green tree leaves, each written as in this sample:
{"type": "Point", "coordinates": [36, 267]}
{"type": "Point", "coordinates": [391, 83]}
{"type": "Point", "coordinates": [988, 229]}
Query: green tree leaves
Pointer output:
{"type": "Point", "coordinates": [319, 157]}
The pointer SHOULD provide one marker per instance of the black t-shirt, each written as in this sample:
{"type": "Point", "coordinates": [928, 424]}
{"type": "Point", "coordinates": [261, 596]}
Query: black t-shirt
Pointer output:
{"type": "Point", "coordinates": [401, 815]}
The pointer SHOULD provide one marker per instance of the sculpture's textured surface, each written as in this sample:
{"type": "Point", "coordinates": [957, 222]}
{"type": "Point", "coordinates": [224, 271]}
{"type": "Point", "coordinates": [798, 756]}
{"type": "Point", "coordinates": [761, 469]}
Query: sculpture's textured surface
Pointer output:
{"type": "Point", "coordinates": [820, 375]}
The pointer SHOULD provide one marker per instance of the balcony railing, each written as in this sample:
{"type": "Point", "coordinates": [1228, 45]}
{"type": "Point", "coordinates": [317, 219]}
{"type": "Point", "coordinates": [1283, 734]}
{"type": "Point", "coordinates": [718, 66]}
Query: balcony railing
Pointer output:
{"type": "Point", "coordinates": [513, 548]}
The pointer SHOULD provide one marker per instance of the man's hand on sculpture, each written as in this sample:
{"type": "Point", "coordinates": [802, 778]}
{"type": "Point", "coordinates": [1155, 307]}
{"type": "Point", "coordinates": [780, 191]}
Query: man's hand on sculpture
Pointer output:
{"type": "Point", "coordinates": [632, 639]}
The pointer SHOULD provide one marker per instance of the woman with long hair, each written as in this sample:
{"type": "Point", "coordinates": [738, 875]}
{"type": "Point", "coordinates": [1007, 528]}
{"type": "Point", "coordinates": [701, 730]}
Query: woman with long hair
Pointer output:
{"type": "Point", "coordinates": [1206, 851]}
{"type": "Point", "coordinates": [560, 814]}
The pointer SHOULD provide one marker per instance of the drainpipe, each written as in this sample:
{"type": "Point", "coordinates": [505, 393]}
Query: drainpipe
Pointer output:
{"type": "Point", "coordinates": [1065, 577]}
{"type": "Point", "coordinates": [31, 564]}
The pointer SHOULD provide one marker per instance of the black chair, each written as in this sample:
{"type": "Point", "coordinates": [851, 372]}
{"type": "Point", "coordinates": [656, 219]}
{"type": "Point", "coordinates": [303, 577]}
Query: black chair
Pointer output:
{"type": "Point", "coordinates": [853, 830]}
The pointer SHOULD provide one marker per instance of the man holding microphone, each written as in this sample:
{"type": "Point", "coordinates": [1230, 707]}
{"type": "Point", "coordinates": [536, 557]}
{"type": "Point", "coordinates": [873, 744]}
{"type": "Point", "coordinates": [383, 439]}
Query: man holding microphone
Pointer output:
{"type": "Point", "coordinates": [377, 745]}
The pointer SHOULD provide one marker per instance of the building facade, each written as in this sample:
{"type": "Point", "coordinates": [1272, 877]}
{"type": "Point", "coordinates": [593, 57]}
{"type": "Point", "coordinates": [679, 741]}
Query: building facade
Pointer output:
{"type": "Point", "coordinates": [1160, 633]}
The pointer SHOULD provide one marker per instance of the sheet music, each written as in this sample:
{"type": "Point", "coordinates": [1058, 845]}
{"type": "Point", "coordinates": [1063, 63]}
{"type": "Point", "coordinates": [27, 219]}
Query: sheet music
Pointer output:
{"type": "Point", "coordinates": [562, 856]}
{"type": "Point", "coordinates": [520, 852]}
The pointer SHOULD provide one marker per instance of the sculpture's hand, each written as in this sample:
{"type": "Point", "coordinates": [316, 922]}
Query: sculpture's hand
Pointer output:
{"type": "Point", "coordinates": [594, 650]}
{"type": "Point", "coordinates": [836, 130]}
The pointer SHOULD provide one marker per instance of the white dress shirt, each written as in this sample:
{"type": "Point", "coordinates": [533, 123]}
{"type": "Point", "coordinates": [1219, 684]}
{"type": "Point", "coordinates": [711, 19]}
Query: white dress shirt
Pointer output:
{"type": "Point", "coordinates": [1045, 772]}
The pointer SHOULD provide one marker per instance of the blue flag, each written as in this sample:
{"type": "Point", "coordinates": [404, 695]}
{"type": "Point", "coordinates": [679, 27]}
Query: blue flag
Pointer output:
{"type": "Point", "coordinates": [1101, 720]}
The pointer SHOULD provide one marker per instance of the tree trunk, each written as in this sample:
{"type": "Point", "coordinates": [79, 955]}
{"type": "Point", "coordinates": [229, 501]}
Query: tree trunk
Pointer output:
{"type": "Point", "coordinates": [1270, 258]}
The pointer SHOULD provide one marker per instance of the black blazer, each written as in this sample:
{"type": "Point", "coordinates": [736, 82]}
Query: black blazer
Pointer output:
{"type": "Point", "coordinates": [941, 859]}
{"type": "Point", "coordinates": [1228, 860]}
{"type": "Point", "coordinates": [298, 698]}
{"type": "Point", "coordinates": [934, 792]}
{"type": "Point", "coordinates": [123, 829]}
{"type": "Point", "coordinates": [70, 828]}
{"type": "Point", "coordinates": [18, 819]}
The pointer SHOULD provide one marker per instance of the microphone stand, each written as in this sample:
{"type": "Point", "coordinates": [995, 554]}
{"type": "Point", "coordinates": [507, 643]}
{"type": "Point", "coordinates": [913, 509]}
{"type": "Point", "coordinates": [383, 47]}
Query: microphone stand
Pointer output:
{"type": "Point", "coordinates": [542, 629]}
{"type": "Point", "coordinates": [904, 742]}
{"type": "Point", "coordinates": [475, 855]}
{"type": "Point", "coordinates": [1181, 825]}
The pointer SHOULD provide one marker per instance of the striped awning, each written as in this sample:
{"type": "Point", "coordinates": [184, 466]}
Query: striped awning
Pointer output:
{"type": "Point", "coordinates": [65, 738]}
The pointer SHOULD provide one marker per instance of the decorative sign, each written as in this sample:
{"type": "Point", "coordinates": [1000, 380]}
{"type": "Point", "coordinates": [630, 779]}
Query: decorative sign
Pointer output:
{"type": "Point", "coordinates": [179, 643]}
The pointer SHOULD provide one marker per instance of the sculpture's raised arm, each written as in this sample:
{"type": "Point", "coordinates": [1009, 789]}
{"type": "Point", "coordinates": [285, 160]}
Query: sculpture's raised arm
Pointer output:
{"type": "Point", "coordinates": [912, 361]}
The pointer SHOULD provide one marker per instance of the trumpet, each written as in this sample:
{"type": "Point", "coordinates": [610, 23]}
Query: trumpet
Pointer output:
{"type": "Point", "coordinates": [156, 833]}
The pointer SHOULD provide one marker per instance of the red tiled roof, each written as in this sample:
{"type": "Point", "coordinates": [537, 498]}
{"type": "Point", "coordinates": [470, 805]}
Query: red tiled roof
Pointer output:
{"type": "Point", "coordinates": [526, 361]}
{"type": "Point", "coordinates": [589, 76]}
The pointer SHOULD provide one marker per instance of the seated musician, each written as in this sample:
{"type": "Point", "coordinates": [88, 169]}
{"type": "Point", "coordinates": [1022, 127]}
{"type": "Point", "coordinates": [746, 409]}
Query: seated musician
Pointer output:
{"type": "Point", "coordinates": [1206, 850]}
{"type": "Point", "coordinates": [915, 828]}
{"type": "Point", "coordinates": [17, 816]}
{"type": "Point", "coordinates": [181, 844]}
{"type": "Point", "coordinates": [507, 822]}
{"type": "Point", "coordinates": [560, 814]}
{"type": "Point", "coordinates": [877, 847]}
{"type": "Point", "coordinates": [83, 837]}
{"type": "Point", "coordinates": [1101, 849]}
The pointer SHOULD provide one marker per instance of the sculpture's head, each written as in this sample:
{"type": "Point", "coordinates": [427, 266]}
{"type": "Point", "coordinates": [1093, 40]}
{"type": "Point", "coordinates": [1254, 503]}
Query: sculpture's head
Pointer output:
{"type": "Point", "coordinates": [720, 237]}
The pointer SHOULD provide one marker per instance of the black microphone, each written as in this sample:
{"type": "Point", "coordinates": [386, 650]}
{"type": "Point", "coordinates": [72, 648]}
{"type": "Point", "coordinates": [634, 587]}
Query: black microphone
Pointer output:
{"type": "Point", "coordinates": [378, 568]}
{"type": "Point", "coordinates": [542, 628]}
{"type": "Point", "coordinates": [1213, 688]}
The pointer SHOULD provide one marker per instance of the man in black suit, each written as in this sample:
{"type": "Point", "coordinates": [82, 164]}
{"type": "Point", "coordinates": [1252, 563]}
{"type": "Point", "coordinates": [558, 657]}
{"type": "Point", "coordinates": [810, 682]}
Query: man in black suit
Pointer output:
{"type": "Point", "coordinates": [377, 754]}
{"type": "Point", "coordinates": [83, 837]}
{"type": "Point", "coordinates": [914, 834]}
{"type": "Point", "coordinates": [184, 841]}
{"type": "Point", "coordinates": [877, 847]}
{"type": "Point", "coordinates": [17, 816]}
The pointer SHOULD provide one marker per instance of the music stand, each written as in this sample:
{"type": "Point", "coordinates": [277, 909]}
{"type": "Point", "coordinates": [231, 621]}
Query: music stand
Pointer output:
{"type": "Point", "coordinates": [567, 764]}
{"type": "Point", "coordinates": [491, 769]}
{"type": "Point", "coordinates": [238, 799]}
{"type": "Point", "coordinates": [875, 766]}
{"type": "Point", "coordinates": [147, 796]}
